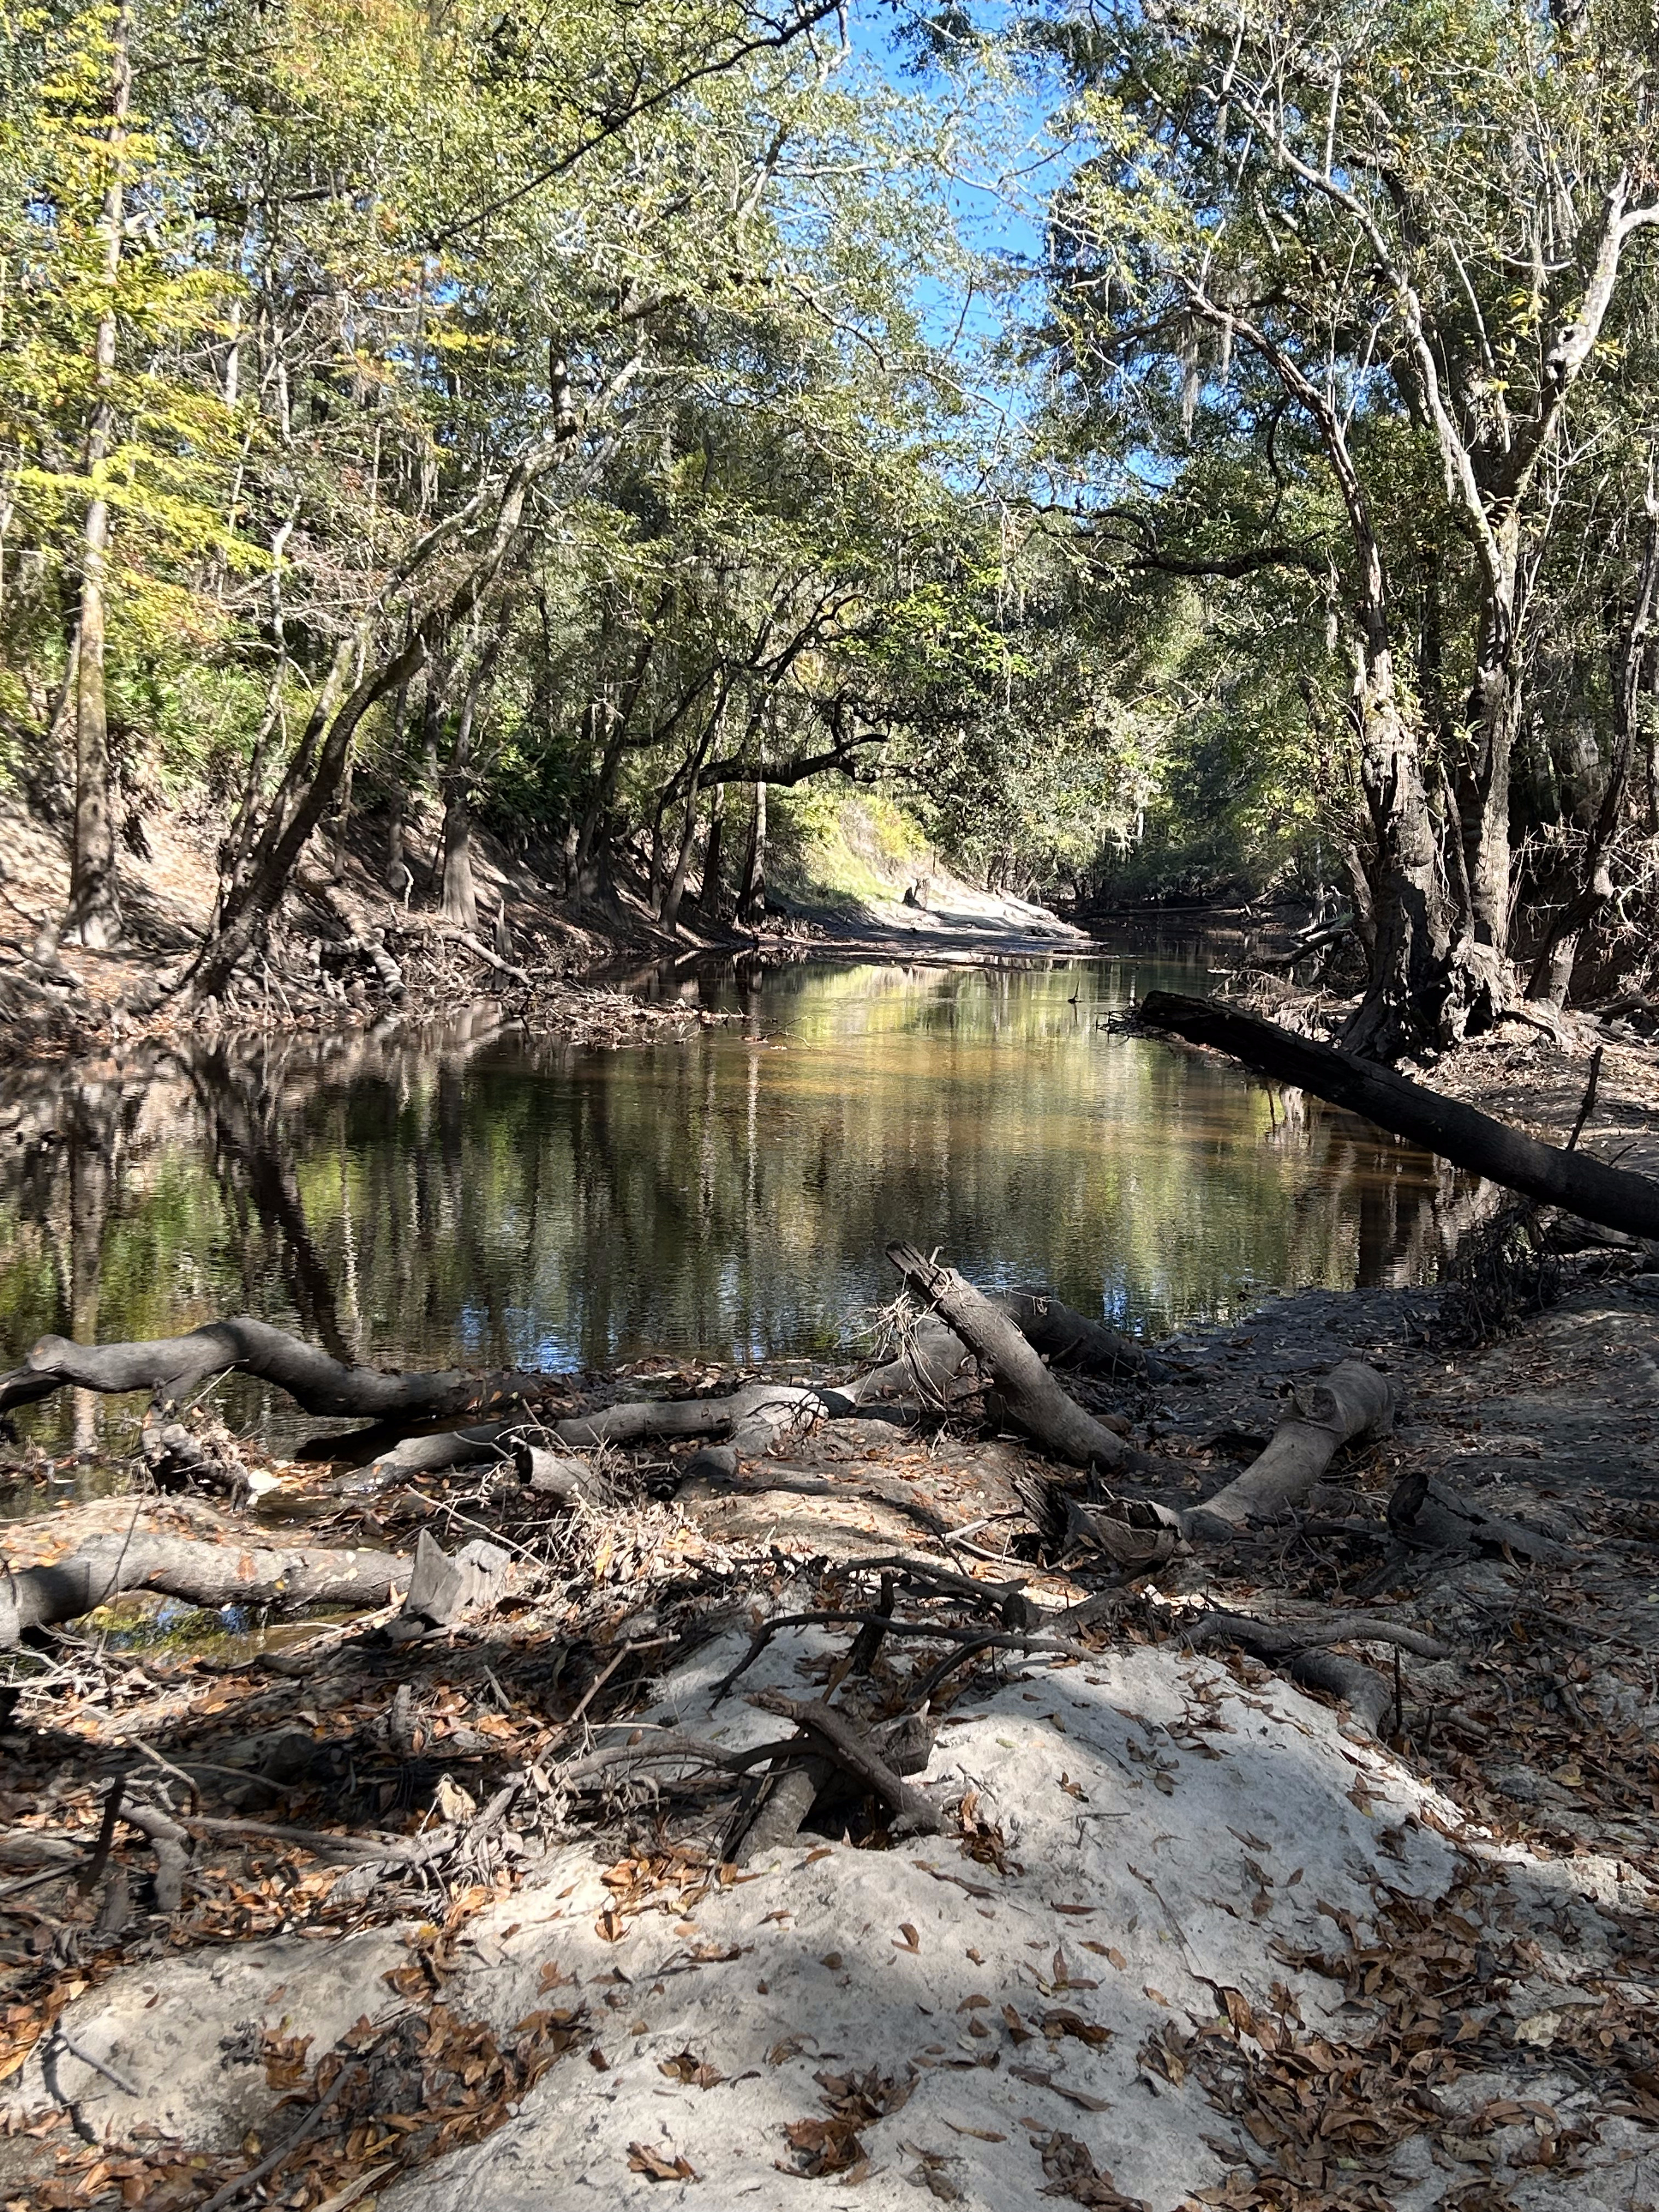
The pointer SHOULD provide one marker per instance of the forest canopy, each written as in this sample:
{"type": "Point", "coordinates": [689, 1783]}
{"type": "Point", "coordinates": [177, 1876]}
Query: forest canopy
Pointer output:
{"type": "Point", "coordinates": [1169, 450]}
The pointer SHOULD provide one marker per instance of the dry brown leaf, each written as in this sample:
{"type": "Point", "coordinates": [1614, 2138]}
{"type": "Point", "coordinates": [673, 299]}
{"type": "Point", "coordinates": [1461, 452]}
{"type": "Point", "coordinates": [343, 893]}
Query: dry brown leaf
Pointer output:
{"type": "Point", "coordinates": [696, 2073]}
{"type": "Point", "coordinates": [655, 2166]}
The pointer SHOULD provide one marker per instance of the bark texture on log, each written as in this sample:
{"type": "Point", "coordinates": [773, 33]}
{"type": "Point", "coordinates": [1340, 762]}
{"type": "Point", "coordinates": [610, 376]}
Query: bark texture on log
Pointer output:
{"type": "Point", "coordinates": [1069, 1339]}
{"type": "Point", "coordinates": [1460, 1134]}
{"type": "Point", "coordinates": [1353, 1400]}
{"type": "Point", "coordinates": [933, 1361]}
{"type": "Point", "coordinates": [170, 1367]}
{"type": "Point", "coordinates": [205, 1574]}
{"type": "Point", "coordinates": [936, 1362]}
{"type": "Point", "coordinates": [441, 1588]}
{"type": "Point", "coordinates": [1034, 1400]}
{"type": "Point", "coordinates": [753, 1418]}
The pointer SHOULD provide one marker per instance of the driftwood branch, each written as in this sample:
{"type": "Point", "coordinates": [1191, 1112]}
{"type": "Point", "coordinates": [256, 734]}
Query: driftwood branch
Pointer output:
{"type": "Point", "coordinates": [1460, 1134]}
{"type": "Point", "coordinates": [1353, 1400]}
{"type": "Point", "coordinates": [1035, 1401]}
{"type": "Point", "coordinates": [439, 1587]}
{"type": "Point", "coordinates": [848, 1748]}
{"type": "Point", "coordinates": [204, 1574]}
{"type": "Point", "coordinates": [171, 1366]}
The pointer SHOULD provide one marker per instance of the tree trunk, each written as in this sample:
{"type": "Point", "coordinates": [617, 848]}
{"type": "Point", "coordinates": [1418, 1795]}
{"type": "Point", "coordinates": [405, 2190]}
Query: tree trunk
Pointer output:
{"type": "Point", "coordinates": [92, 1139]}
{"type": "Point", "coordinates": [1553, 966]}
{"type": "Point", "coordinates": [751, 895]}
{"type": "Point", "coordinates": [1406, 995]}
{"type": "Point", "coordinates": [1494, 716]}
{"type": "Point", "coordinates": [94, 915]}
{"type": "Point", "coordinates": [676, 891]}
{"type": "Point", "coordinates": [1457, 1132]}
{"type": "Point", "coordinates": [709, 897]}
{"type": "Point", "coordinates": [461, 894]}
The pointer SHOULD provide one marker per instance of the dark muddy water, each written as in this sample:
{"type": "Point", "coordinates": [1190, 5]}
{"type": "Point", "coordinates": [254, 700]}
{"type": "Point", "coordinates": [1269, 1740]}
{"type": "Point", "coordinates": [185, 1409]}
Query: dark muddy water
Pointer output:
{"type": "Point", "coordinates": [474, 1195]}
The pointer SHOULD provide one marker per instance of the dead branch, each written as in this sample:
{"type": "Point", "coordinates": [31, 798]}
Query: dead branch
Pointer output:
{"type": "Point", "coordinates": [1353, 1400]}
{"type": "Point", "coordinates": [835, 1735]}
{"type": "Point", "coordinates": [1035, 1400]}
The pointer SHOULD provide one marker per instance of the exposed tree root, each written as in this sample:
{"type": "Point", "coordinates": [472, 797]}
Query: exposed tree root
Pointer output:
{"type": "Point", "coordinates": [169, 1367]}
{"type": "Point", "coordinates": [1353, 1400]}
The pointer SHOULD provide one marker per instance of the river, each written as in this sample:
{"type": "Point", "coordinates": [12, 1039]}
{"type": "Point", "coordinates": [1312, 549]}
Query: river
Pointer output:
{"type": "Point", "coordinates": [474, 1196]}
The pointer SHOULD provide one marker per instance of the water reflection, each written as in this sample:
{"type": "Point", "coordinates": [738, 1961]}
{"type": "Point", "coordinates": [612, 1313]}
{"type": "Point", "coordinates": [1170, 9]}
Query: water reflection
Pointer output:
{"type": "Point", "coordinates": [476, 1195]}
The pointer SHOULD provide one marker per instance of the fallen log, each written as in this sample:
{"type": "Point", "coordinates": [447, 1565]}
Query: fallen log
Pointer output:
{"type": "Point", "coordinates": [1353, 1400]}
{"type": "Point", "coordinates": [1072, 1341]}
{"type": "Point", "coordinates": [204, 1574]}
{"type": "Point", "coordinates": [935, 1361]}
{"type": "Point", "coordinates": [753, 1418]}
{"type": "Point", "coordinates": [571, 1479]}
{"type": "Point", "coordinates": [1458, 1132]}
{"type": "Point", "coordinates": [1034, 1400]}
{"type": "Point", "coordinates": [171, 1367]}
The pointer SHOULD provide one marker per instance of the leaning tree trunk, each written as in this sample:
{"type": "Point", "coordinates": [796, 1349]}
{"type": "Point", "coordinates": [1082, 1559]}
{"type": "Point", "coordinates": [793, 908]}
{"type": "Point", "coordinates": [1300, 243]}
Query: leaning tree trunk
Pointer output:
{"type": "Point", "coordinates": [94, 915]}
{"type": "Point", "coordinates": [313, 776]}
{"type": "Point", "coordinates": [676, 892]}
{"type": "Point", "coordinates": [1458, 1132]}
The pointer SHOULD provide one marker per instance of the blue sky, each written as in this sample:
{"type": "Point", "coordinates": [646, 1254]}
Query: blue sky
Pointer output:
{"type": "Point", "coordinates": [999, 203]}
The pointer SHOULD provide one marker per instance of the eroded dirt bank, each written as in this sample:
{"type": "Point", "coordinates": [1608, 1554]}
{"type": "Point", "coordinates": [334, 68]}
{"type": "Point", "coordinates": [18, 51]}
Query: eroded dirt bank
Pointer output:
{"type": "Point", "coordinates": [1177, 1922]}
{"type": "Point", "coordinates": [348, 952]}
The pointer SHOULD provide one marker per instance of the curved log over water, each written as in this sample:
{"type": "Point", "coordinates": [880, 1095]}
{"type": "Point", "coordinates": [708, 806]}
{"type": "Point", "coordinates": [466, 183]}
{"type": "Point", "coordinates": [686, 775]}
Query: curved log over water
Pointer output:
{"type": "Point", "coordinates": [1460, 1134]}
{"type": "Point", "coordinates": [170, 1367]}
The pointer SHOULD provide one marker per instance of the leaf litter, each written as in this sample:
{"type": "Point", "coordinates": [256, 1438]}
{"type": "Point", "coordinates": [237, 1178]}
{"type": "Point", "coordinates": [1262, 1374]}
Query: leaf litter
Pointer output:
{"type": "Point", "coordinates": [1406, 1986]}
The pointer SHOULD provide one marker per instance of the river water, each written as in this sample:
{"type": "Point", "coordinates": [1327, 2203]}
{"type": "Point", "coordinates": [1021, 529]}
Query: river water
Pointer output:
{"type": "Point", "coordinates": [472, 1196]}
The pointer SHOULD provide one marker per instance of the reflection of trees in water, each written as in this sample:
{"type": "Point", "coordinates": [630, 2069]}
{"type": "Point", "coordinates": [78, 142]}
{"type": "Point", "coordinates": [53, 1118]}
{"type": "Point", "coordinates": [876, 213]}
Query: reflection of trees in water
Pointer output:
{"type": "Point", "coordinates": [476, 1197]}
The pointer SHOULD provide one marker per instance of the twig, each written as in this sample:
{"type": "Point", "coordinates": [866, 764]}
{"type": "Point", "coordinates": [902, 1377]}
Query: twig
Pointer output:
{"type": "Point", "coordinates": [167, 1767]}
{"type": "Point", "coordinates": [89, 1878]}
{"type": "Point", "coordinates": [413, 1850]}
{"type": "Point", "coordinates": [1011, 1639]}
{"type": "Point", "coordinates": [1590, 1099]}
{"type": "Point", "coordinates": [691, 1748]}
{"type": "Point", "coordinates": [67, 2042]}
{"type": "Point", "coordinates": [272, 2159]}
{"type": "Point", "coordinates": [593, 1688]}
{"type": "Point", "coordinates": [57, 1870]}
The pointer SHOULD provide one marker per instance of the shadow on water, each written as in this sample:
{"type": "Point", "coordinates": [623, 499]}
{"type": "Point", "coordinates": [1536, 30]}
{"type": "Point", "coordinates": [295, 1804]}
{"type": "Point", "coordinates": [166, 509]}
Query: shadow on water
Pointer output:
{"type": "Point", "coordinates": [476, 1195]}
